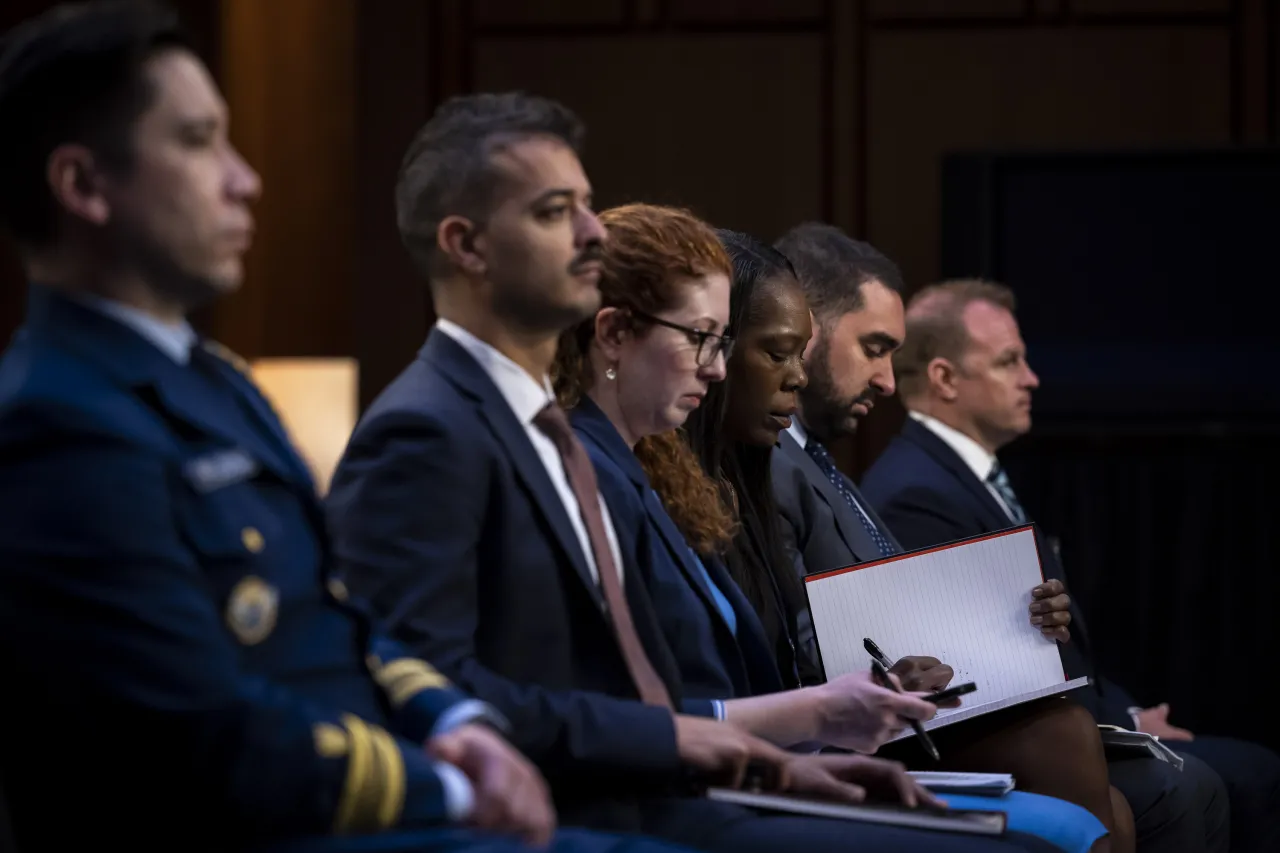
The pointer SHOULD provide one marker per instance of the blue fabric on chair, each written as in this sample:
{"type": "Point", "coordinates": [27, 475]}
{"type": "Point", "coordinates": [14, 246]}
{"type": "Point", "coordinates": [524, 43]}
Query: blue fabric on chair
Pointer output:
{"type": "Point", "coordinates": [1063, 824]}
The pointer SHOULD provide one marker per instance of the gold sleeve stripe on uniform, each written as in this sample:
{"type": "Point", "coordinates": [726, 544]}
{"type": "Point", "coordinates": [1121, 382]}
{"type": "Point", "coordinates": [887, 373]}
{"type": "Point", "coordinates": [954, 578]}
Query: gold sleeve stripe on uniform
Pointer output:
{"type": "Point", "coordinates": [406, 666]}
{"type": "Point", "coordinates": [404, 689]}
{"type": "Point", "coordinates": [331, 740]}
{"type": "Point", "coordinates": [373, 795]}
{"type": "Point", "coordinates": [391, 805]}
{"type": "Point", "coordinates": [359, 772]}
{"type": "Point", "coordinates": [405, 678]}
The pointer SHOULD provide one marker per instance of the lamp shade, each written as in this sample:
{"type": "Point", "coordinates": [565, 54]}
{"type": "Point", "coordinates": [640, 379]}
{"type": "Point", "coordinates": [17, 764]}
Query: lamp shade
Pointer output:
{"type": "Point", "coordinates": [318, 401]}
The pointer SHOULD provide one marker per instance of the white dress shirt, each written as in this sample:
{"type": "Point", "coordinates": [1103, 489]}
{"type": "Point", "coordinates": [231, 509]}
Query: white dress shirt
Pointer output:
{"type": "Point", "coordinates": [526, 398]}
{"type": "Point", "coordinates": [173, 339]}
{"type": "Point", "coordinates": [980, 460]}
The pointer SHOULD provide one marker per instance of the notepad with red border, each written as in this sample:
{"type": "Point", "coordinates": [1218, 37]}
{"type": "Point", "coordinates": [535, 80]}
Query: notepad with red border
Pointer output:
{"type": "Point", "coordinates": [964, 603]}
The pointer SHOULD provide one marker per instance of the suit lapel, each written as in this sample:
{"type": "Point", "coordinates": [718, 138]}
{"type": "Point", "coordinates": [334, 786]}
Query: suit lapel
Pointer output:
{"type": "Point", "coordinates": [445, 355]}
{"type": "Point", "coordinates": [679, 550]}
{"type": "Point", "coordinates": [941, 452]}
{"type": "Point", "coordinates": [855, 536]}
{"type": "Point", "coordinates": [595, 427]}
{"type": "Point", "coordinates": [753, 643]}
{"type": "Point", "coordinates": [186, 400]}
{"type": "Point", "coordinates": [236, 372]}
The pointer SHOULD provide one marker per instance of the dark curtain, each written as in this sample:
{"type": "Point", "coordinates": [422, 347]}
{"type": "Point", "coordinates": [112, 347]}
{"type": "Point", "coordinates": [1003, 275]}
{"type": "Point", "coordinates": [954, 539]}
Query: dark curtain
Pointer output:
{"type": "Point", "coordinates": [1171, 543]}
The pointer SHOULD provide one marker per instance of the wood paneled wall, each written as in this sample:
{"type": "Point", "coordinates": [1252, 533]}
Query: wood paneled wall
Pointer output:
{"type": "Point", "coordinates": [762, 113]}
{"type": "Point", "coordinates": [756, 113]}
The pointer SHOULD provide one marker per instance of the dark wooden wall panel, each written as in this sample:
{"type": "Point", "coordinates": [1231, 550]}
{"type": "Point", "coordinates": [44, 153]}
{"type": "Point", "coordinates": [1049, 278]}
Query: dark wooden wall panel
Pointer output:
{"type": "Point", "coordinates": [1046, 88]}
{"type": "Point", "coordinates": [733, 11]}
{"type": "Point", "coordinates": [945, 10]}
{"type": "Point", "coordinates": [289, 74]}
{"type": "Point", "coordinates": [757, 113]}
{"type": "Point", "coordinates": [1149, 7]}
{"type": "Point", "coordinates": [674, 119]}
{"type": "Point", "coordinates": [391, 305]}
{"type": "Point", "coordinates": [515, 13]}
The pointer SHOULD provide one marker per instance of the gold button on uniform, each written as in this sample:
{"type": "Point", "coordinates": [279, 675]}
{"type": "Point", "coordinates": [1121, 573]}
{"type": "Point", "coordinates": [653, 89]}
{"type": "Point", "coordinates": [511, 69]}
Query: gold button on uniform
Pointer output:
{"type": "Point", "coordinates": [337, 589]}
{"type": "Point", "coordinates": [252, 539]}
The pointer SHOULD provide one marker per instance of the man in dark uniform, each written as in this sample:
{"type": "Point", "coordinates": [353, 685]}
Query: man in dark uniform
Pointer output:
{"type": "Point", "coordinates": [178, 672]}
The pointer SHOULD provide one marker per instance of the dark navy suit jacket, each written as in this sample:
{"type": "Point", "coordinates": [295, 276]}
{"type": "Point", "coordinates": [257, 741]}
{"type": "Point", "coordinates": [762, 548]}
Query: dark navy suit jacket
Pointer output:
{"type": "Point", "coordinates": [714, 662]}
{"type": "Point", "coordinates": [927, 495]}
{"type": "Point", "coordinates": [176, 669]}
{"type": "Point", "coordinates": [445, 519]}
{"type": "Point", "coordinates": [821, 530]}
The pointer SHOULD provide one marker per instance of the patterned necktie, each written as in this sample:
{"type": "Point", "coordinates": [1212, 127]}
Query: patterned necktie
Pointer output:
{"type": "Point", "coordinates": [999, 480]}
{"type": "Point", "coordinates": [582, 479]}
{"type": "Point", "coordinates": [827, 465]}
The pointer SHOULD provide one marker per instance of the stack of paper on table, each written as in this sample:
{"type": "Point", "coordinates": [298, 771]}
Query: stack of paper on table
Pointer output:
{"type": "Point", "coordinates": [971, 784]}
{"type": "Point", "coordinates": [964, 603]}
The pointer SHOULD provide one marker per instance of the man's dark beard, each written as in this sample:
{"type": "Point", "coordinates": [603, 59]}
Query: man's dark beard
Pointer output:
{"type": "Point", "coordinates": [826, 415]}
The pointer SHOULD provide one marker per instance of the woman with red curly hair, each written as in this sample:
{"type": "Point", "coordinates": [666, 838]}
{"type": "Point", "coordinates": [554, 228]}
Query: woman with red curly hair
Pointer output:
{"type": "Point", "coordinates": [631, 375]}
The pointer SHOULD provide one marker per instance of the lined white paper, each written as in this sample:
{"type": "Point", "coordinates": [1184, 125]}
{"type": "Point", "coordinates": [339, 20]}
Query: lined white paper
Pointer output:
{"type": "Point", "coordinates": [964, 604]}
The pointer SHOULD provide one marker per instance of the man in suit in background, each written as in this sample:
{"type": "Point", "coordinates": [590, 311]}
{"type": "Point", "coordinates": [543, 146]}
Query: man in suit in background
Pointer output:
{"type": "Point", "coordinates": [967, 386]}
{"type": "Point", "coordinates": [466, 510]}
{"type": "Point", "coordinates": [855, 293]}
{"type": "Point", "coordinates": [178, 673]}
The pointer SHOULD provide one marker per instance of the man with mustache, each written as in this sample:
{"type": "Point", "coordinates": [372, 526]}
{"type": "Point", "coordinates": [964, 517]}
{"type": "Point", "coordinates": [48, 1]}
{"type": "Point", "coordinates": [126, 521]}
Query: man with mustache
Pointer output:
{"type": "Point", "coordinates": [467, 512]}
{"type": "Point", "coordinates": [182, 673]}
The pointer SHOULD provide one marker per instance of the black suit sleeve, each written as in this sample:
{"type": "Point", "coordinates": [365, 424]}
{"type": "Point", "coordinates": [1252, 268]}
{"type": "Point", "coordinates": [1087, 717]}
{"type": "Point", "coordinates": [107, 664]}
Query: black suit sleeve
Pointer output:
{"type": "Point", "coordinates": [407, 510]}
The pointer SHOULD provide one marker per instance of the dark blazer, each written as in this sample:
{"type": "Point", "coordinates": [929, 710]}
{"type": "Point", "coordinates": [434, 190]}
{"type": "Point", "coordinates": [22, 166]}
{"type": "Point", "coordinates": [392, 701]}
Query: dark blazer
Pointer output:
{"type": "Point", "coordinates": [177, 668]}
{"type": "Point", "coordinates": [444, 518]}
{"type": "Point", "coordinates": [714, 663]}
{"type": "Point", "coordinates": [822, 530]}
{"type": "Point", "coordinates": [928, 495]}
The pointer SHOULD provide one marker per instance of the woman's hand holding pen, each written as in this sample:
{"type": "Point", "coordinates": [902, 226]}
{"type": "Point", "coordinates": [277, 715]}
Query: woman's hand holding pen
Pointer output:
{"type": "Point", "coordinates": [856, 713]}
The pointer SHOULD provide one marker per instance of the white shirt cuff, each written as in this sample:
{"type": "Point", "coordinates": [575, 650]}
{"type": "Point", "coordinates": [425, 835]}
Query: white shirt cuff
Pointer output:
{"type": "Point", "coordinates": [718, 707]}
{"type": "Point", "coordinates": [468, 711]}
{"type": "Point", "coordinates": [459, 797]}
{"type": "Point", "coordinates": [1133, 715]}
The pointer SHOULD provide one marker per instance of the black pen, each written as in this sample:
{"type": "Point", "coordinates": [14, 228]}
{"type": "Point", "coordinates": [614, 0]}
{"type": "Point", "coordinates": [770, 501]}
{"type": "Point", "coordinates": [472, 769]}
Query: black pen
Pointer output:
{"type": "Point", "coordinates": [882, 675]}
{"type": "Point", "coordinates": [874, 651]}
